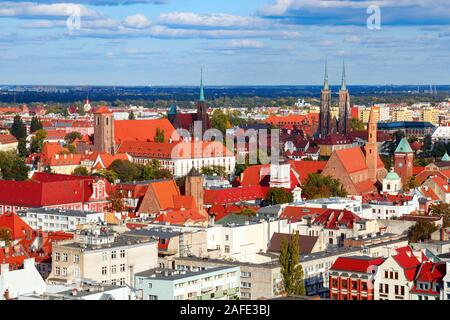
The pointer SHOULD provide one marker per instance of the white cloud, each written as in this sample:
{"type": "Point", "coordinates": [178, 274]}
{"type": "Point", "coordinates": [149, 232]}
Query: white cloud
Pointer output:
{"type": "Point", "coordinates": [30, 10]}
{"type": "Point", "coordinates": [137, 21]}
{"type": "Point", "coordinates": [213, 20]}
{"type": "Point", "coordinates": [245, 44]}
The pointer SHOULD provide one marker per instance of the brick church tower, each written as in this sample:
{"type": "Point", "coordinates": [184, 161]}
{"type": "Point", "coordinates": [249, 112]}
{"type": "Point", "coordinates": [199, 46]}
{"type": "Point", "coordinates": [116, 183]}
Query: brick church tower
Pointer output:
{"type": "Point", "coordinates": [371, 147]}
{"type": "Point", "coordinates": [194, 187]}
{"type": "Point", "coordinates": [344, 107]}
{"type": "Point", "coordinates": [325, 108]}
{"type": "Point", "coordinates": [403, 160]}
{"type": "Point", "coordinates": [104, 130]}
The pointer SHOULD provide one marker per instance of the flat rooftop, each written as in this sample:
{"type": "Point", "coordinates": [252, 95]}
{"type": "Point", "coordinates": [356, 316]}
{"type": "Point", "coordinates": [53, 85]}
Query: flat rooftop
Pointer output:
{"type": "Point", "coordinates": [58, 212]}
{"type": "Point", "coordinates": [171, 274]}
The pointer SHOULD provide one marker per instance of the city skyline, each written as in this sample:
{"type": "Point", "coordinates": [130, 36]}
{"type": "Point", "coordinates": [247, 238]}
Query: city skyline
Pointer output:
{"type": "Point", "coordinates": [259, 42]}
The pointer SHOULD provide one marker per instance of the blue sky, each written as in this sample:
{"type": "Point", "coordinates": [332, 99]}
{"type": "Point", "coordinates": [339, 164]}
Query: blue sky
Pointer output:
{"type": "Point", "coordinates": [236, 42]}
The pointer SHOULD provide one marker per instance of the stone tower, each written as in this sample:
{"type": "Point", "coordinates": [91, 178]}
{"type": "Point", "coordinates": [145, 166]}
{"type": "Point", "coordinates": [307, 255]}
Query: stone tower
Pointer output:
{"type": "Point", "coordinates": [344, 106]}
{"type": "Point", "coordinates": [194, 188]}
{"type": "Point", "coordinates": [104, 130]}
{"type": "Point", "coordinates": [403, 160]}
{"type": "Point", "coordinates": [325, 107]}
{"type": "Point", "coordinates": [371, 147]}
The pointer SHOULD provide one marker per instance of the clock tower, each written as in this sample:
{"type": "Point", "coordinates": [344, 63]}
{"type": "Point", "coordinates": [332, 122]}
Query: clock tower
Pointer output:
{"type": "Point", "coordinates": [404, 160]}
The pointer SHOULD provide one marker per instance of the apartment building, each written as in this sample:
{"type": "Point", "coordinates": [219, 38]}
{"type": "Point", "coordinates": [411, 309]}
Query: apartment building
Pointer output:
{"type": "Point", "coordinates": [257, 280]}
{"type": "Point", "coordinates": [102, 256]}
{"type": "Point", "coordinates": [219, 283]}
{"type": "Point", "coordinates": [49, 219]}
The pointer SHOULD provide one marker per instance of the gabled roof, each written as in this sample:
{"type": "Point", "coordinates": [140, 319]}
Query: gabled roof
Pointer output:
{"type": "Point", "coordinates": [297, 213]}
{"type": "Point", "coordinates": [335, 219]}
{"type": "Point", "coordinates": [406, 259]}
{"type": "Point", "coordinates": [359, 264]}
{"type": "Point", "coordinates": [403, 147]}
{"type": "Point", "coordinates": [143, 130]}
{"type": "Point", "coordinates": [432, 273]}
{"type": "Point", "coordinates": [102, 110]}
{"type": "Point", "coordinates": [235, 195]}
{"type": "Point", "coordinates": [306, 243]}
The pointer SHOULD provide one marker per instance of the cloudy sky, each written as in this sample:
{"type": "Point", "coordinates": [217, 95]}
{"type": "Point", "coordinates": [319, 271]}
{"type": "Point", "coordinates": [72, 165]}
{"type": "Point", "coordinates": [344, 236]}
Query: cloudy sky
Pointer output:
{"type": "Point", "coordinates": [236, 42]}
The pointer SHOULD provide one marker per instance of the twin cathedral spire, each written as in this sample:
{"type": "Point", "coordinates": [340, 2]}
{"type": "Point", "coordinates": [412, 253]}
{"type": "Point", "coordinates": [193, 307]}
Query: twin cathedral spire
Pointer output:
{"type": "Point", "coordinates": [327, 124]}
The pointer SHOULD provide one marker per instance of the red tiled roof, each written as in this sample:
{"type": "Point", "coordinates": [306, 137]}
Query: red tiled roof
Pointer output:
{"type": "Point", "coordinates": [334, 219]}
{"type": "Point", "coordinates": [417, 170]}
{"type": "Point", "coordinates": [365, 187]}
{"type": "Point", "coordinates": [356, 264]}
{"type": "Point", "coordinates": [297, 213]}
{"type": "Point", "coordinates": [431, 272]}
{"type": "Point", "coordinates": [235, 195]}
{"type": "Point", "coordinates": [406, 259]}
{"type": "Point", "coordinates": [143, 130]}
{"type": "Point", "coordinates": [179, 217]}
{"type": "Point", "coordinates": [7, 139]}
{"type": "Point", "coordinates": [16, 225]}
{"type": "Point", "coordinates": [102, 110]}
{"type": "Point", "coordinates": [304, 168]}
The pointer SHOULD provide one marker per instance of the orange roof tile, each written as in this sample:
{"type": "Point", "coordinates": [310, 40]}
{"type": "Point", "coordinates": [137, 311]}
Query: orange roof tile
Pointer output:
{"type": "Point", "coordinates": [143, 130]}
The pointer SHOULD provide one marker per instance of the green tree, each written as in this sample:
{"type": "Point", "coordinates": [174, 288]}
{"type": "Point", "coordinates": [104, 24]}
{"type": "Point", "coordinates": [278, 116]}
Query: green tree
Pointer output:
{"type": "Point", "coordinates": [159, 135]}
{"type": "Point", "coordinates": [18, 129]}
{"type": "Point", "coordinates": [72, 136]}
{"type": "Point", "coordinates": [320, 186]}
{"type": "Point", "coordinates": [109, 175]}
{"type": "Point", "coordinates": [80, 171]}
{"type": "Point", "coordinates": [357, 125]}
{"type": "Point", "coordinates": [421, 231]}
{"type": "Point", "coordinates": [291, 269]}
{"type": "Point", "coordinates": [131, 116]}
{"type": "Point", "coordinates": [427, 143]}
{"type": "Point", "coordinates": [391, 145]}
{"type": "Point", "coordinates": [153, 170]}
{"type": "Point", "coordinates": [214, 170]}
{"type": "Point", "coordinates": [247, 212]}
{"type": "Point", "coordinates": [117, 199]}
{"type": "Point", "coordinates": [441, 209]}
{"type": "Point", "coordinates": [12, 167]}
{"type": "Point", "coordinates": [37, 142]}
{"type": "Point", "coordinates": [411, 184]}
{"type": "Point", "coordinates": [125, 170]}
{"type": "Point", "coordinates": [35, 124]}
{"type": "Point", "coordinates": [278, 196]}
{"type": "Point", "coordinates": [22, 148]}
{"type": "Point", "coordinates": [220, 121]}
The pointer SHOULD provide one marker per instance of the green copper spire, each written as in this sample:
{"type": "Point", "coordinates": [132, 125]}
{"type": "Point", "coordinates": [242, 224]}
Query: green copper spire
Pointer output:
{"type": "Point", "coordinates": [202, 95]}
{"type": "Point", "coordinates": [446, 157]}
{"type": "Point", "coordinates": [404, 147]}
{"type": "Point", "coordinates": [325, 84]}
{"type": "Point", "coordinates": [344, 83]}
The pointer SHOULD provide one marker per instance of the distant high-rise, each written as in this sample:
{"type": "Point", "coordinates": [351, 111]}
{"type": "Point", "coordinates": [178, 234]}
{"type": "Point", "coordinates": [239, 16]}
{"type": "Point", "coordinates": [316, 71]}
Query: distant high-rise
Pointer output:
{"type": "Point", "coordinates": [344, 106]}
{"type": "Point", "coordinates": [325, 107]}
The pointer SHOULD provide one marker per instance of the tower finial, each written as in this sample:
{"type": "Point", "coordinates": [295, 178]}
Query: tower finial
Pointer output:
{"type": "Point", "coordinates": [344, 83]}
{"type": "Point", "coordinates": [202, 95]}
{"type": "Point", "coordinates": [325, 84]}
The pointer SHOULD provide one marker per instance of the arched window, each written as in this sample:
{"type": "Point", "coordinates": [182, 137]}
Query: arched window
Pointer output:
{"type": "Point", "coordinates": [107, 121]}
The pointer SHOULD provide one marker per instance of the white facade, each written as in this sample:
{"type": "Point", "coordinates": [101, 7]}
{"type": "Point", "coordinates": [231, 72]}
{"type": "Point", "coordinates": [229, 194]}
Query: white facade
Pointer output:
{"type": "Point", "coordinates": [22, 281]}
{"type": "Point", "coordinates": [388, 210]}
{"type": "Point", "coordinates": [58, 219]}
{"type": "Point", "coordinates": [280, 175]}
{"type": "Point", "coordinates": [181, 167]}
{"type": "Point", "coordinates": [244, 242]}
{"type": "Point", "coordinates": [445, 293]}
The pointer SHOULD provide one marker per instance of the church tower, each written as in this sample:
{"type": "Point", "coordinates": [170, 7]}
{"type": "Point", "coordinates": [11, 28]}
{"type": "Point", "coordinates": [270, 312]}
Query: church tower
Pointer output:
{"type": "Point", "coordinates": [403, 160]}
{"type": "Point", "coordinates": [202, 108]}
{"type": "Point", "coordinates": [325, 107]}
{"type": "Point", "coordinates": [194, 187]}
{"type": "Point", "coordinates": [371, 147]}
{"type": "Point", "coordinates": [104, 130]}
{"type": "Point", "coordinates": [344, 106]}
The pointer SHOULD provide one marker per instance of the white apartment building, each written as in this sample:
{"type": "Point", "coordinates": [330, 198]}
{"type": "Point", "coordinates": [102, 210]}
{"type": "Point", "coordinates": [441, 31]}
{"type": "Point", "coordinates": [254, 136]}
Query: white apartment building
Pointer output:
{"type": "Point", "coordinates": [102, 256]}
{"type": "Point", "coordinates": [217, 283]}
{"type": "Point", "coordinates": [388, 210]}
{"type": "Point", "coordinates": [244, 241]}
{"type": "Point", "coordinates": [49, 219]}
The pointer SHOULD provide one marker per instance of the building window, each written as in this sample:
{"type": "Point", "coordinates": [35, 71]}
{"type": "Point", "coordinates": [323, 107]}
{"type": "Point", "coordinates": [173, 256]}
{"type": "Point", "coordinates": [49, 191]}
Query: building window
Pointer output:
{"type": "Point", "coordinates": [65, 257]}
{"type": "Point", "coordinates": [64, 272]}
{"type": "Point", "coordinates": [246, 285]}
{"type": "Point", "coordinates": [122, 267]}
{"type": "Point", "coordinates": [113, 269]}
{"type": "Point", "coordinates": [57, 256]}
{"type": "Point", "coordinates": [122, 281]}
{"type": "Point", "coordinates": [104, 271]}
{"type": "Point", "coordinates": [58, 271]}
{"type": "Point", "coordinates": [227, 249]}
{"type": "Point", "coordinates": [76, 258]}
{"type": "Point", "coordinates": [122, 253]}
{"type": "Point", "coordinates": [113, 254]}
{"type": "Point", "coordinates": [104, 256]}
